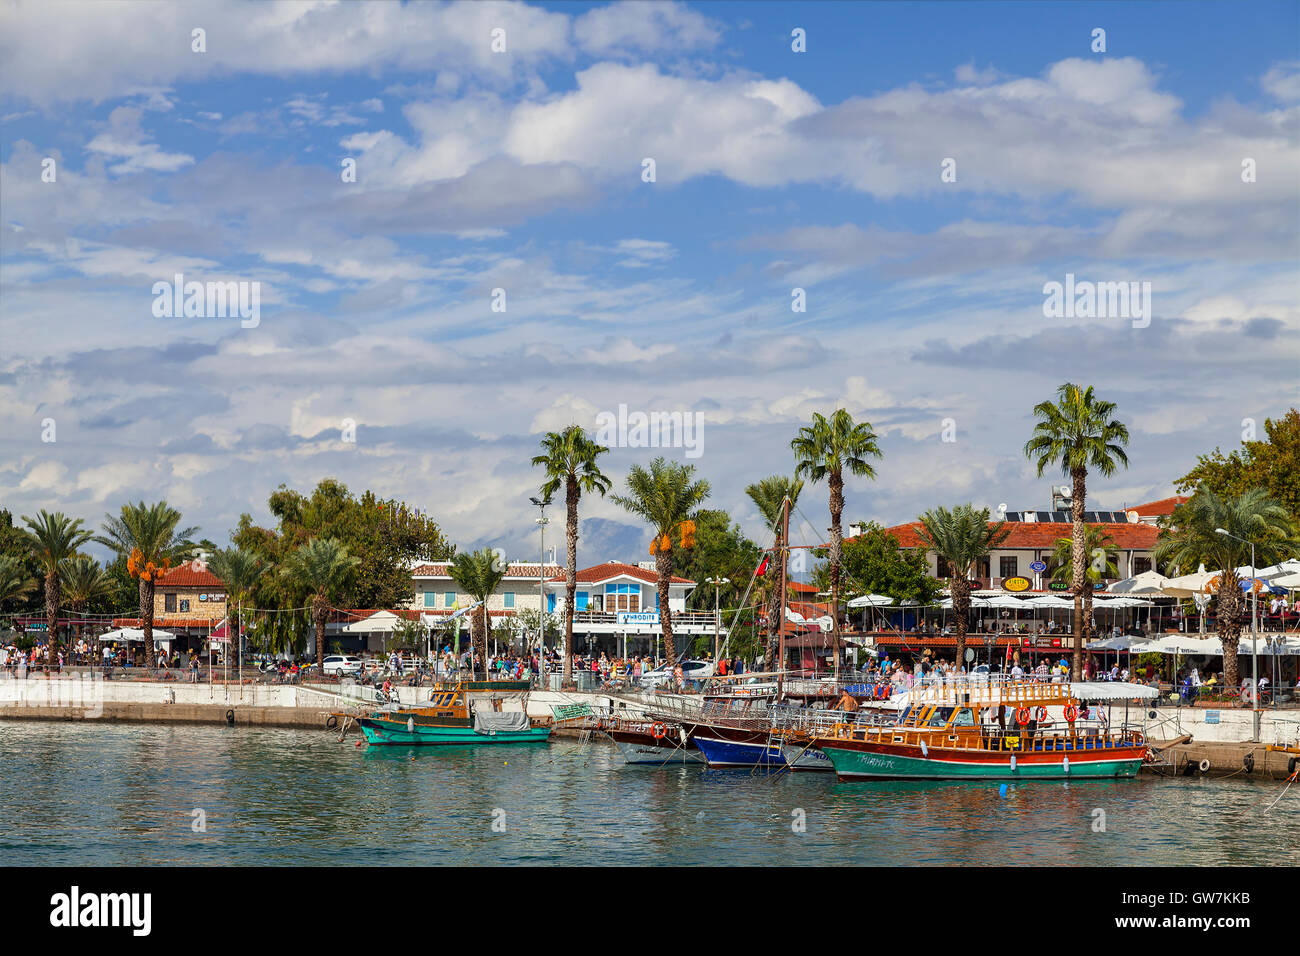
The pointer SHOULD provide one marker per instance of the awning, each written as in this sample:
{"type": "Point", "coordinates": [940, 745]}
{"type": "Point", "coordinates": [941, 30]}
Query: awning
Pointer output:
{"type": "Point", "coordinates": [1112, 690]}
{"type": "Point", "coordinates": [127, 634]}
{"type": "Point", "coordinates": [871, 600]}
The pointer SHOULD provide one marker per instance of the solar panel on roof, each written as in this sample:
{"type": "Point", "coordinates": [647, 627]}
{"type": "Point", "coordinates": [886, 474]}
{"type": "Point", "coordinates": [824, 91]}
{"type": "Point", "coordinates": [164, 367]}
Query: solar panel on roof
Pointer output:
{"type": "Point", "coordinates": [1044, 516]}
{"type": "Point", "coordinates": [1060, 517]}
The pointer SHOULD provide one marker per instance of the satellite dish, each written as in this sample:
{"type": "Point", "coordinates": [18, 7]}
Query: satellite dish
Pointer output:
{"type": "Point", "coordinates": [1065, 491]}
{"type": "Point", "coordinates": [1002, 508]}
{"type": "Point", "coordinates": [970, 654]}
{"type": "Point", "coordinates": [1133, 517]}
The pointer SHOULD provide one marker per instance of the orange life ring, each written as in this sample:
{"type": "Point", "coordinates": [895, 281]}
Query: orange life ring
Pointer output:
{"type": "Point", "coordinates": [1022, 716]}
{"type": "Point", "coordinates": [658, 731]}
{"type": "Point", "coordinates": [1071, 713]}
{"type": "Point", "coordinates": [1041, 714]}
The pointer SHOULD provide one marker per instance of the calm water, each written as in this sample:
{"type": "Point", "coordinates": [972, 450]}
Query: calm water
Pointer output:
{"type": "Point", "coordinates": [105, 795]}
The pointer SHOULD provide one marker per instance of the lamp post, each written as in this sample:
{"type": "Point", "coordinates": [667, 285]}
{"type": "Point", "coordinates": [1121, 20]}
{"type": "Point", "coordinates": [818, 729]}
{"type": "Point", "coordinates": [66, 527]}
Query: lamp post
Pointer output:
{"type": "Point", "coordinates": [541, 592]}
{"type": "Point", "coordinates": [1254, 628]}
{"type": "Point", "coordinates": [717, 616]}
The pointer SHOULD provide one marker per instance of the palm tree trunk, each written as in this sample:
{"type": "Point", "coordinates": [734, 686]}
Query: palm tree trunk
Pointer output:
{"type": "Point", "coordinates": [960, 588]}
{"type": "Point", "coordinates": [571, 493]}
{"type": "Point", "coordinates": [1078, 547]}
{"type": "Point", "coordinates": [837, 548]}
{"type": "Point", "coordinates": [774, 607]}
{"type": "Point", "coordinates": [146, 613]}
{"type": "Point", "coordinates": [320, 611]}
{"type": "Point", "coordinates": [1228, 624]}
{"type": "Point", "coordinates": [664, 570]}
{"type": "Point", "coordinates": [52, 616]}
{"type": "Point", "coordinates": [484, 631]}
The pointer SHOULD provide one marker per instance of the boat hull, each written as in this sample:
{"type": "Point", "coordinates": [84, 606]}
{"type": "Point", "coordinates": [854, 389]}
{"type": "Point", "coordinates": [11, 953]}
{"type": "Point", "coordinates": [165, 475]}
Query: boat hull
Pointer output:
{"type": "Point", "coordinates": [757, 753]}
{"type": "Point", "coordinates": [906, 763]}
{"type": "Point", "coordinates": [395, 734]}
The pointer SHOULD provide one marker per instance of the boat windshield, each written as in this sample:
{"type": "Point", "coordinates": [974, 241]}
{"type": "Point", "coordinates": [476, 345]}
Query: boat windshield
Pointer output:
{"type": "Point", "coordinates": [939, 716]}
{"type": "Point", "coordinates": [965, 718]}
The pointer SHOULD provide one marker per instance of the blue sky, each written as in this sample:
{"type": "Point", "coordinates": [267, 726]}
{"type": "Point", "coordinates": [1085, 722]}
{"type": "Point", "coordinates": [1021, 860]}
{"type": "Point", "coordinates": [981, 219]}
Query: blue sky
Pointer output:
{"type": "Point", "coordinates": [521, 170]}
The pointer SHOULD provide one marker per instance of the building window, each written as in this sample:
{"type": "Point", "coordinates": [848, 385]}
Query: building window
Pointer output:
{"type": "Point", "coordinates": [510, 599]}
{"type": "Point", "coordinates": [449, 598]}
{"type": "Point", "coordinates": [430, 598]}
{"type": "Point", "coordinates": [943, 571]}
{"type": "Point", "coordinates": [622, 597]}
{"type": "Point", "coordinates": [1141, 564]}
{"type": "Point", "coordinates": [169, 603]}
{"type": "Point", "coordinates": [982, 571]}
{"type": "Point", "coordinates": [1009, 567]}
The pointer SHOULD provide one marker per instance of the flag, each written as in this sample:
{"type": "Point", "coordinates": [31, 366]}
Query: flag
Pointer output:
{"type": "Point", "coordinates": [762, 567]}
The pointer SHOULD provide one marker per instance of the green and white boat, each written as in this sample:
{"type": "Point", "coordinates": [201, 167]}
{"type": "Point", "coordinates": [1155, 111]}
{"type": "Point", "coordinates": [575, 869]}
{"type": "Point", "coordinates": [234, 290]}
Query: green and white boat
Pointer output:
{"type": "Point", "coordinates": [467, 713]}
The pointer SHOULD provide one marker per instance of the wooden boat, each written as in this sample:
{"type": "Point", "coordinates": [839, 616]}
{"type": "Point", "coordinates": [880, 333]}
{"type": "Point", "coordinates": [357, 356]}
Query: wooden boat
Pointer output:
{"type": "Point", "coordinates": [465, 713]}
{"type": "Point", "coordinates": [994, 731]}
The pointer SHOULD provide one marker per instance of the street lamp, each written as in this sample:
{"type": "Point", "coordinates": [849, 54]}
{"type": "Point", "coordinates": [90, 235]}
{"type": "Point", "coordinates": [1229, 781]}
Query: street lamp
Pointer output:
{"type": "Point", "coordinates": [542, 522]}
{"type": "Point", "coordinates": [1254, 626]}
{"type": "Point", "coordinates": [717, 617]}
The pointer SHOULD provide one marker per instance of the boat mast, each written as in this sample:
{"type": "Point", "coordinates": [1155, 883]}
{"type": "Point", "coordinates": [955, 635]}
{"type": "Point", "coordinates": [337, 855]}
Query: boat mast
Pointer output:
{"type": "Point", "coordinates": [780, 614]}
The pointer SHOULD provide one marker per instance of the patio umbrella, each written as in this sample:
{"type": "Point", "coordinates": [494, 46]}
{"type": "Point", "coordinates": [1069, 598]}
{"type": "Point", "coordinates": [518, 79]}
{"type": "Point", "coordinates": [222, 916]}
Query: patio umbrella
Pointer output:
{"type": "Point", "coordinates": [1289, 581]}
{"type": "Point", "coordinates": [872, 600]}
{"type": "Point", "coordinates": [1148, 582]}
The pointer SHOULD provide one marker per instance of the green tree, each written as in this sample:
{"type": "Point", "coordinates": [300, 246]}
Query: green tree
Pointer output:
{"type": "Point", "coordinates": [239, 571]}
{"type": "Point", "coordinates": [324, 567]}
{"type": "Point", "coordinates": [1272, 464]}
{"type": "Point", "coordinates": [1193, 539]}
{"type": "Point", "coordinates": [83, 580]}
{"type": "Point", "coordinates": [384, 536]}
{"type": "Point", "coordinates": [665, 497]}
{"type": "Point", "coordinates": [1100, 548]}
{"type": "Point", "coordinates": [478, 574]}
{"type": "Point", "coordinates": [16, 583]}
{"type": "Point", "coordinates": [569, 458]}
{"type": "Point", "coordinates": [1078, 431]}
{"type": "Point", "coordinates": [769, 495]}
{"type": "Point", "coordinates": [874, 563]}
{"type": "Point", "coordinates": [147, 536]}
{"type": "Point", "coordinates": [823, 451]}
{"type": "Point", "coordinates": [54, 538]}
{"type": "Point", "coordinates": [961, 537]}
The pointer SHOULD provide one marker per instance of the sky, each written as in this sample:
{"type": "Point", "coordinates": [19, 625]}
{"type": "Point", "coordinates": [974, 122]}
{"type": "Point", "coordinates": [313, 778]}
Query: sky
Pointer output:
{"type": "Point", "coordinates": [502, 263]}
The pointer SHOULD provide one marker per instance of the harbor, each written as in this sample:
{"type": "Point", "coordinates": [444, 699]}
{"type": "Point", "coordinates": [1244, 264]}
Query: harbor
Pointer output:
{"type": "Point", "coordinates": [100, 794]}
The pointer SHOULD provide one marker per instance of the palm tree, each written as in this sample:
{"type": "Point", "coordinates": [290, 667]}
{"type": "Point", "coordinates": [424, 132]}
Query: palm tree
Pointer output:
{"type": "Point", "coordinates": [1078, 432]}
{"type": "Point", "coordinates": [1192, 538]}
{"type": "Point", "coordinates": [769, 496]}
{"type": "Point", "coordinates": [146, 536]}
{"type": "Point", "coordinates": [1101, 564]}
{"type": "Point", "coordinates": [570, 460]}
{"type": "Point", "coordinates": [961, 537]}
{"type": "Point", "coordinates": [52, 539]}
{"type": "Point", "coordinates": [323, 566]}
{"type": "Point", "coordinates": [478, 574]}
{"type": "Point", "coordinates": [664, 497]}
{"type": "Point", "coordinates": [15, 581]}
{"type": "Point", "coordinates": [824, 450]}
{"type": "Point", "coordinates": [83, 580]}
{"type": "Point", "coordinates": [239, 571]}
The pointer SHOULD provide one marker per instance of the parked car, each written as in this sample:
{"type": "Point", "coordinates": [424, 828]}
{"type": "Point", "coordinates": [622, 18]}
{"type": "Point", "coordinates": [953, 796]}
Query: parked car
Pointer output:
{"type": "Point", "coordinates": [342, 664]}
{"type": "Point", "coordinates": [691, 670]}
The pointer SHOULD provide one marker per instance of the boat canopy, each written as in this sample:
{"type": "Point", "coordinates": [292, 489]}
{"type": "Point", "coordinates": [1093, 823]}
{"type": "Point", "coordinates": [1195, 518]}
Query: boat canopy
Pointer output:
{"type": "Point", "coordinates": [1112, 690]}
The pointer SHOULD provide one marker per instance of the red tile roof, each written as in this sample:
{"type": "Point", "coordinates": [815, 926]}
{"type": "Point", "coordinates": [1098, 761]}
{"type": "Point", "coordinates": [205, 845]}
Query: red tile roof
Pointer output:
{"type": "Point", "coordinates": [1164, 506]}
{"type": "Point", "coordinates": [1030, 535]}
{"type": "Point", "coordinates": [186, 576]}
{"type": "Point", "coordinates": [612, 569]}
{"type": "Point", "coordinates": [439, 570]}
